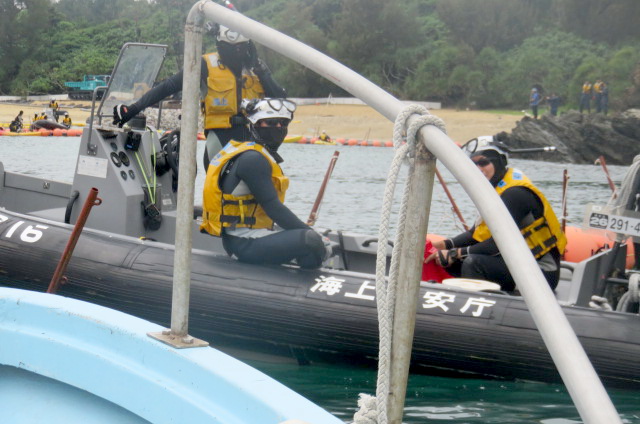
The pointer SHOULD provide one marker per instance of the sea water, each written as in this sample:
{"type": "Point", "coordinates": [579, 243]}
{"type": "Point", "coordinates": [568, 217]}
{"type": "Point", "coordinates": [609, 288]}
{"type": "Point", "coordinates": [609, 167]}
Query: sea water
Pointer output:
{"type": "Point", "coordinates": [352, 202]}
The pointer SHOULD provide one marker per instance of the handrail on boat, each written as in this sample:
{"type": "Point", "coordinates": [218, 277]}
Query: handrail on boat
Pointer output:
{"type": "Point", "coordinates": [578, 374]}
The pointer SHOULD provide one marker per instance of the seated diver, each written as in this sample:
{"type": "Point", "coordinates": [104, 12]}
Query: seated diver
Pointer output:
{"type": "Point", "coordinates": [474, 253]}
{"type": "Point", "coordinates": [66, 121]}
{"type": "Point", "coordinates": [244, 192]}
{"type": "Point", "coordinates": [324, 137]}
{"type": "Point", "coordinates": [16, 124]}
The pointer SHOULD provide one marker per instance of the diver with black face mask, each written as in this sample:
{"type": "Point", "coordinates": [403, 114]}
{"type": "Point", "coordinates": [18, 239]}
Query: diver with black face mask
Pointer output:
{"type": "Point", "coordinates": [244, 191]}
{"type": "Point", "coordinates": [474, 253]}
{"type": "Point", "coordinates": [234, 73]}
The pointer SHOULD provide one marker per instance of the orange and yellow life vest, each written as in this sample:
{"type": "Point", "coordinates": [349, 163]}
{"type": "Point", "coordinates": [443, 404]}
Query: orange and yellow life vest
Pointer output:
{"type": "Point", "coordinates": [222, 210]}
{"type": "Point", "coordinates": [222, 99]}
{"type": "Point", "coordinates": [541, 235]}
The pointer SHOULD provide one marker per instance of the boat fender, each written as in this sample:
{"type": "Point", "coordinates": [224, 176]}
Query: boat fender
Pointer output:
{"type": "Point", "coordinates": [72, 200]}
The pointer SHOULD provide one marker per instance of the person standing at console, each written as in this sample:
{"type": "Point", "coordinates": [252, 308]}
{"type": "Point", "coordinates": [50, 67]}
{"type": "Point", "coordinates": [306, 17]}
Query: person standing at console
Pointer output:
{"type": "Point", "coordinates": [233, 73]}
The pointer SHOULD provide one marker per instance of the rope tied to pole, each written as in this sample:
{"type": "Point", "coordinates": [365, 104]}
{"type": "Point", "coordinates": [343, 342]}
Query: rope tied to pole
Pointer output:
{"type": "Point", "coordinates": [371, 412]}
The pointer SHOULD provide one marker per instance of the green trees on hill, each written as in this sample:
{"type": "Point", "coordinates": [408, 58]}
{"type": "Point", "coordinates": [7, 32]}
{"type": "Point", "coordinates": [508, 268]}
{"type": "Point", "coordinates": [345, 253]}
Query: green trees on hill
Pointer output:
{"type": "Point", "coordinates": [464, 53]}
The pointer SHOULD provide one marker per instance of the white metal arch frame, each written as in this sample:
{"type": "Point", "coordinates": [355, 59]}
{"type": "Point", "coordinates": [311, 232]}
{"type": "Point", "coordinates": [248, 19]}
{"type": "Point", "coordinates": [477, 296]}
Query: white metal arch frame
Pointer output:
{"type": "Point", "coordinates": [581, 380]}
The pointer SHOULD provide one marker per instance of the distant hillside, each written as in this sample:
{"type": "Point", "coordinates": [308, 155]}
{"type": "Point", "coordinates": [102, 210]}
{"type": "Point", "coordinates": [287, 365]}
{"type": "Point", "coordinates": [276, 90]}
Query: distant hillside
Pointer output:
{"type": "Point", "coordinates": [463, 53]}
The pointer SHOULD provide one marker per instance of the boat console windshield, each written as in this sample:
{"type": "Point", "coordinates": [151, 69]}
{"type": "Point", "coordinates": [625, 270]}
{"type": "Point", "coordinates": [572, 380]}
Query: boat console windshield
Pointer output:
{"type": "Point", "coordinates": [134, 74]}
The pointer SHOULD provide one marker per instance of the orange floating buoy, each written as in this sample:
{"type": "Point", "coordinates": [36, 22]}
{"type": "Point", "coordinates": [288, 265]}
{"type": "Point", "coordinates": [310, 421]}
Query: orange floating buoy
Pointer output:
{"type": "Point", "coordinates": [376, 143]}
{"type": "Point", "coordinates": [74, 132]}
{"type": "Point", "coordinates": [58, 132]}
{"type": "Point", "coordinates": [352, 142]}
{"type": "Point", "coordinates": [388, 144]}
{"type": "Point", "coordinates": [44, 132]}
{"type": "Point", "coordinates": [313, 140]}
{"type": "Point", "coordinates": [303, 140]}
{"type": "Point", "coordinates": [341, 140]}
{"type": "Point", "coordinates": [582, 244]}
{"type": "Point", "coordinates": [363, 143]}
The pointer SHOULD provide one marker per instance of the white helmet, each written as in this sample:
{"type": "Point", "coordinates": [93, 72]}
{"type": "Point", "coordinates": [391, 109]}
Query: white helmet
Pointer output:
{"type": "Point", "coordinates": [268, 108]}
{"type": "Point", "coordinates": [230, 36]}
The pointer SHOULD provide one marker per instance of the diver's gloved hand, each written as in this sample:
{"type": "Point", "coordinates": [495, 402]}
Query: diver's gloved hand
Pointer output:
{"type": "Point", "coordinates": [329, 247]}
{"type": "Point", "coordinates": [260, 67]}
{"type": "Point", "coordinates": [122, 114]}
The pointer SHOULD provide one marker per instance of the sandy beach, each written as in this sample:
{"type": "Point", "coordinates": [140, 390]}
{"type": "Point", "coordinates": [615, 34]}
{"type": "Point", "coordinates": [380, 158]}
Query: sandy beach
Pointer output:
{"type": "Point", "coordinates": [339, 121]}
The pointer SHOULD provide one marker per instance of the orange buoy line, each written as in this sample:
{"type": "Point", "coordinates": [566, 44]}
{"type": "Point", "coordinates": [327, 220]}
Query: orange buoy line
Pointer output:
{"type": "Point", "coordinates": [58, 132]}
{"type": "Point", "coordinates": [345, 142]}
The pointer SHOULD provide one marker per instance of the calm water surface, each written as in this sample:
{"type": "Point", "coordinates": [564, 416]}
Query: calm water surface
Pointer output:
{"type": "Point", "coordinates": [352, 202]}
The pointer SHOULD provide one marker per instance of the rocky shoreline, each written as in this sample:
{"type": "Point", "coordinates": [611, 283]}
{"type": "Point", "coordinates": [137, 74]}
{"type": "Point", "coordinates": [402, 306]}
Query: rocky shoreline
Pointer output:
{"type": "Point", "coordinates": [579, 138]}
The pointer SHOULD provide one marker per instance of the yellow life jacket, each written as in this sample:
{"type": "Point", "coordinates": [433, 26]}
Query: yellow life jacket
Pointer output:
{"type": "Point", "coordinates": [222, 99]}
{"type": "Point", "coordinates": [541, 235]}
{"type": "Point", "coordinates": [597, 87]}
{"type": "Point", "coordinates": [586, 88]}
{"type": "Point", "coordinates": [222, 210]}
{"type": "Point", "coordinates": [67, 121]}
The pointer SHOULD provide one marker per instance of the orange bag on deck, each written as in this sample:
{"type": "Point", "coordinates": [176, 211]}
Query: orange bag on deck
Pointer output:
{"type": "Point", "coordinates": [432, 271]}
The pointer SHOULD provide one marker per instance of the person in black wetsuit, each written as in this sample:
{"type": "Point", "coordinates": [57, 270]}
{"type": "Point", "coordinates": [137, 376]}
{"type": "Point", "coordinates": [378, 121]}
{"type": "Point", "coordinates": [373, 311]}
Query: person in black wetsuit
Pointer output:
{"type": "Point", "coordinates": [244, 192]}
{"type": "Point", "coordinates": [226, 77]}
{"type": "Point", "coordinates": [474, 253]}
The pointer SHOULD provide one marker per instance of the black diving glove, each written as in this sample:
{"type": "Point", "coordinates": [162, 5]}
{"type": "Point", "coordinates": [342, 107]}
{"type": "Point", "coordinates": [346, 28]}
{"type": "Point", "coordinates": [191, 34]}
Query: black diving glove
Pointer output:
{"type": "Point", "coordinates": [122, 114]}
{"type": "Point", "coordinates": [260, 67]}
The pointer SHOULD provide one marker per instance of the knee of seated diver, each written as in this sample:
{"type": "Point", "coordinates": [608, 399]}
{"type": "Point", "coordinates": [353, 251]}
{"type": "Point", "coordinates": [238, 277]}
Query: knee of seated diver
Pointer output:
{"type": "Point", "coordinates": [315, 245]}
{"type": "Point", "coordinates": [471, 267]}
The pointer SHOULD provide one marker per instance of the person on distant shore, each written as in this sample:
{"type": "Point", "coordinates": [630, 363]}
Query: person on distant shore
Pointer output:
{"type": "Point", "coordinates": [66, 121]}
{"type": "Point", "coordinates": [534, 102]}
{"type": "Point", "coordinates": [17, 123]}
{"type": "Point", "coordinates": [585, 97]}
{"type": "Point", "coordinates": [604, 99]}
{"type": "Point", "coordinates": [597, 95]}
{"type": "Point", "coordinates": [474, 253]}
{"type": "Point", "coordinates": [244, 191]}
{"type": "Point", "coordinates": [236, 60]}
{"type": "Point", "coordinates": [554, 103]}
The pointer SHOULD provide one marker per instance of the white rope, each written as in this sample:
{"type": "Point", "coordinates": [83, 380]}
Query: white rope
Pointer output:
{"type": "Point", "coordinates": [386, 291]}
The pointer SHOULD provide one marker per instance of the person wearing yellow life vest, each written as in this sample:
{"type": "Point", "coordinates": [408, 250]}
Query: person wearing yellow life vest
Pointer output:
{"type": "Point", "coordinates": [244, 192]}
{"type": "Point", "coordinates": [233, 73]}
{"type": "Point", "coordinates": [474, 253]}
{"type": "Point", "coordinates": [324, 136]}
{"type": "Point", "coordinates": [66, 121]}
{"type": "Point", "coordinates": [585, 97]}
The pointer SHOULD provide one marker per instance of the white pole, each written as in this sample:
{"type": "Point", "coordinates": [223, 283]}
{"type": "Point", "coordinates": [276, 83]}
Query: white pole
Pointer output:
{"type": "Point", "coordinates": [583, 384]}
{"type": "Point", "coordinates": [186, 173]}
{"type": "Point", "coordinates": [408, 289]}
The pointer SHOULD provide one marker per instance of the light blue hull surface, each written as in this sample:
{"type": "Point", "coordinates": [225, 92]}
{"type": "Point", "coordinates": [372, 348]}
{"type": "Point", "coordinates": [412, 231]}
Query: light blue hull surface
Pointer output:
{"type": "Point", "coordinates": [64, 361]}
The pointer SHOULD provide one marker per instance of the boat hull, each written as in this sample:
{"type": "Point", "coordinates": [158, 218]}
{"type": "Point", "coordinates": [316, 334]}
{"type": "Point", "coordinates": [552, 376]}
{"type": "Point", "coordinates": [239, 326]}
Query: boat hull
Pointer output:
{"type": "Point", "coordinates": [310, 315]}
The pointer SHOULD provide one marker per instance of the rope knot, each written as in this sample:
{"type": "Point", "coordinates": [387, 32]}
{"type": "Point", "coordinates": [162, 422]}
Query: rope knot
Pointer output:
{"type": "Point", "coordinates": [425, 118]}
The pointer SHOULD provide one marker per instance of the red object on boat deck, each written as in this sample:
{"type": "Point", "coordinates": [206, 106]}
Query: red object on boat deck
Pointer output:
{"type": "Point", "coordinates": [432, 271]}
